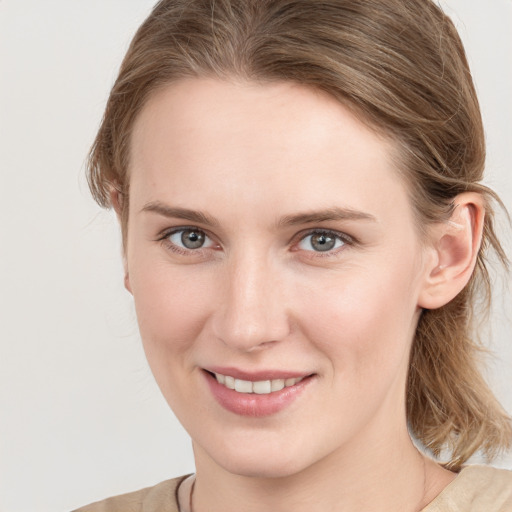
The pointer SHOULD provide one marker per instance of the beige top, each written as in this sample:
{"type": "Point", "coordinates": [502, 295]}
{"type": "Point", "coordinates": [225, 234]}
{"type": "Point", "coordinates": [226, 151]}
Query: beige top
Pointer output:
{"type": "Point", "coordinates": [476, 489]}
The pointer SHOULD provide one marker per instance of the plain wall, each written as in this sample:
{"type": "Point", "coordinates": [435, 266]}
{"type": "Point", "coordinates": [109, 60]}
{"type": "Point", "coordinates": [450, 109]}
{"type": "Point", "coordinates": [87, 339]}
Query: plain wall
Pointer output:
{"type": "Point", "coordinates": [80, 415]}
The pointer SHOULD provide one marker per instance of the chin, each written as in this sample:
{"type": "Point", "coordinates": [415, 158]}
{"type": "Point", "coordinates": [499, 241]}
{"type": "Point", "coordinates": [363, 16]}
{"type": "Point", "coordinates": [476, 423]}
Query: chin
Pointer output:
{"type": "Point", "coordinates": [268, 468]}
{"type": "Point", "coordinates": [253, 461]}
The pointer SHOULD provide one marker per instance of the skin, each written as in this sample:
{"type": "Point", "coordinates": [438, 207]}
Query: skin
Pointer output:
{"type": "Point", "coordinates": [258, 295]}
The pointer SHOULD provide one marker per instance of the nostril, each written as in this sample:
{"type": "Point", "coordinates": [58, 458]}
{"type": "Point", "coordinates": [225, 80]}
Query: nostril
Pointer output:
{"type": "Point", "coordinates": [260, 346]}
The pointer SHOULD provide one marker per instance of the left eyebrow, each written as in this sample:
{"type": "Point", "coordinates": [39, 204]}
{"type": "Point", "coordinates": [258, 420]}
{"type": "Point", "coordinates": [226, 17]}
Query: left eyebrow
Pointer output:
{"type": "Point", "coordinates": [334, 213]}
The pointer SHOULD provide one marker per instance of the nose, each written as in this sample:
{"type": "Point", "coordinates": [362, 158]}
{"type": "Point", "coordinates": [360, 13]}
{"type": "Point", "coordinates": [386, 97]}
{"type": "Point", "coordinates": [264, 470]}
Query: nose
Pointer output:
{"type": "Point", "coordinates": [252, 311]}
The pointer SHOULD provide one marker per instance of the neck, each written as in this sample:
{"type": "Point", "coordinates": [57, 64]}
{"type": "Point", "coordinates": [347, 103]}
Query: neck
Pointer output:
{"type": "Point", "coordinates": [387, 474]}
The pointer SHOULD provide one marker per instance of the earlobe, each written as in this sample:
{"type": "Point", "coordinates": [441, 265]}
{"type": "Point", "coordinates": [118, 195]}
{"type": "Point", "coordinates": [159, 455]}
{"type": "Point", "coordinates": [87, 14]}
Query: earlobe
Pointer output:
{"type": "Point", "coordinates": [455, 244]}
{"type": "Point", "coordinates": [116, 200]}
{"type": "Point", "coordinates": [127, 284]}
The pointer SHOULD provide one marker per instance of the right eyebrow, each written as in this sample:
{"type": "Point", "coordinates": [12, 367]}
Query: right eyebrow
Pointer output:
{"type": "Point", "coordinates": [173, 212]}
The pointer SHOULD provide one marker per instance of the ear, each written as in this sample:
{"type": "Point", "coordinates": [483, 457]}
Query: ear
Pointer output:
{"type": "Point", "coordinates": [127, 284]}
{"type": "Point", "coordinates": [116, 199]}
{"type": "Point", "coordinates": [454, 246]}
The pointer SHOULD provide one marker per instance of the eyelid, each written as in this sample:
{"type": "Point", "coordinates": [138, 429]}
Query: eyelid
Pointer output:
{"type": "Point", "coordinates": [164, 235]}
{"type": "Point", "coordinates": [348, 240]}
{"type": "Point", "coordinates": [344, 237]}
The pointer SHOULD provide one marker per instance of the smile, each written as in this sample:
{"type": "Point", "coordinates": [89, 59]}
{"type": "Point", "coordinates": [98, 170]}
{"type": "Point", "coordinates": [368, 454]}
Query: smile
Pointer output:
{"type": "Point", "coordinates": [256, 394]}
{"type": "Point", "coordinates": [260, 387]}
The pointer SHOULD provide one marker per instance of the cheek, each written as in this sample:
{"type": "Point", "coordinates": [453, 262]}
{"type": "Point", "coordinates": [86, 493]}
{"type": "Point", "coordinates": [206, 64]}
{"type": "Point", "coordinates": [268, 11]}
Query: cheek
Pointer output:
{"type": "Point", "coordinates": [172, 306]}
{"type": "Point", "coordinates": [363, 321]}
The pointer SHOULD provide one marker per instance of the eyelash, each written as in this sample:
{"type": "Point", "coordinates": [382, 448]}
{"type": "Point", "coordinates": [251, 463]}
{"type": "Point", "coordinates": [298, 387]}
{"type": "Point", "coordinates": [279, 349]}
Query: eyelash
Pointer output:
{"type": "Point", "coordinates": [344, 238]}
{"type": "Point", "coordinates": [164, 239]}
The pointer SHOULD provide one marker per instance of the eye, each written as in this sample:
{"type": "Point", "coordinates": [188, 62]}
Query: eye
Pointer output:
{"type": "Point", "coordinates": [321, 241]}
{"type": "Point", "coordinates": [189, 238]}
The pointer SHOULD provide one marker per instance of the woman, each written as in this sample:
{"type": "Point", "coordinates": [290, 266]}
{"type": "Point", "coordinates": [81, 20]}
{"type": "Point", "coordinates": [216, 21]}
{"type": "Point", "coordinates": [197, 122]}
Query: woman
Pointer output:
{"type": "Point", "coordinates": [305, 238]}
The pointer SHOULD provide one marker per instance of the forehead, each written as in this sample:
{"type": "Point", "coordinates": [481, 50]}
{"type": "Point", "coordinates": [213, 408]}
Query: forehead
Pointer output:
{"type": "Point", "coordinates": [259, 142]}
{"type": "Point", "coordinates": [209, 109]}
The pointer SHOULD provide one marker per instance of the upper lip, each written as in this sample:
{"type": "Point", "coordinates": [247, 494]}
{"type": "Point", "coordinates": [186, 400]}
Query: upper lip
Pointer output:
{"type": "Point", "coordinates": [257, 375]}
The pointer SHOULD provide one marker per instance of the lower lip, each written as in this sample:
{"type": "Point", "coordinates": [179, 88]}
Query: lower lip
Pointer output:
{"type": "Point", "coordinates": [252, 404]}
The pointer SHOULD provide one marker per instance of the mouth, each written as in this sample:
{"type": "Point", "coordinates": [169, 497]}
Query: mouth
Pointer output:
{"type": "Point", "coordinates": [256, 395]}
{"type": "Point", "coordinates": [259, 387]}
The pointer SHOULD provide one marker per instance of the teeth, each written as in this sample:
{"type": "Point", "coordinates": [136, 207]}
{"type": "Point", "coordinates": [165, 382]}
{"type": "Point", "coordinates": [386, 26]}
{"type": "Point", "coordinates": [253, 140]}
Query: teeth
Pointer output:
{"type": "Point", "coordinates": [261, 387]}
{"type": "Point", "coordinates": [229, 382]}
{"type": "Point", "coordinates": [277, 385]}
{"type": "Point", "coordinates": [243, 386]}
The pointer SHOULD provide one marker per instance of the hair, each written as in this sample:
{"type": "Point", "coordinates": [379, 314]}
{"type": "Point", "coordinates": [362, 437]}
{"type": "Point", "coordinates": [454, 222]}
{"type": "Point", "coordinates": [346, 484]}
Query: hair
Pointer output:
{"type": "Point", "coordinates": [400, 66]}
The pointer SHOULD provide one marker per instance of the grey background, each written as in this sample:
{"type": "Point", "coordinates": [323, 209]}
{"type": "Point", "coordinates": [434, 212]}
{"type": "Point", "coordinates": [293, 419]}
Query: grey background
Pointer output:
{"type": "Point", "coordinates": [80, 416]}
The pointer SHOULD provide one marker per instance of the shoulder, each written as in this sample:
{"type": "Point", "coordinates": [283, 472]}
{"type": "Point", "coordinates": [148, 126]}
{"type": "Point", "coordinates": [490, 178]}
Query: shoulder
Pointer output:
{"type": "Point", "coordinates": [159, 498]}
{"type": "Point", "coordinates": [475, 489]}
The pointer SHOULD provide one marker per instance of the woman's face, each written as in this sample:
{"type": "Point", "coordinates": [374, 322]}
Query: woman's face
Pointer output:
{"type": "Point", "coordinates": [270, 238]}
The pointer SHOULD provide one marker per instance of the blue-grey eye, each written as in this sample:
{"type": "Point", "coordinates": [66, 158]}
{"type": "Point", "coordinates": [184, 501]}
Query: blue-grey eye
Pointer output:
{"type": "Point", "coordinates": [320, 242]}
{"type": "Point", "coordinates": [189, 238]}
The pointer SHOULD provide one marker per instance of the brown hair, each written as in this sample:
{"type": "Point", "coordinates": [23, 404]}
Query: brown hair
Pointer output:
{"type": "Point", "coordinates": [401, 67]}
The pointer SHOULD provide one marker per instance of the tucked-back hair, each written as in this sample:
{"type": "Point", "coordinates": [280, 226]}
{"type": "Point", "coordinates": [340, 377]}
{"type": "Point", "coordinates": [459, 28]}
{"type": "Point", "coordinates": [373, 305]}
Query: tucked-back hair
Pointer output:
{"type": "Point", "coordinates": [400, 66]}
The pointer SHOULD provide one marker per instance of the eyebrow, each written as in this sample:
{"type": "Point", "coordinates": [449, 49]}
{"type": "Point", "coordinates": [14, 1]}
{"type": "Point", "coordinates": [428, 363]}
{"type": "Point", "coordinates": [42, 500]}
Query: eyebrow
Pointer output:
{"type": "Point", "coordinates": [328, 214]}
{"type": "Point", "coordinates": [180, 213]}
